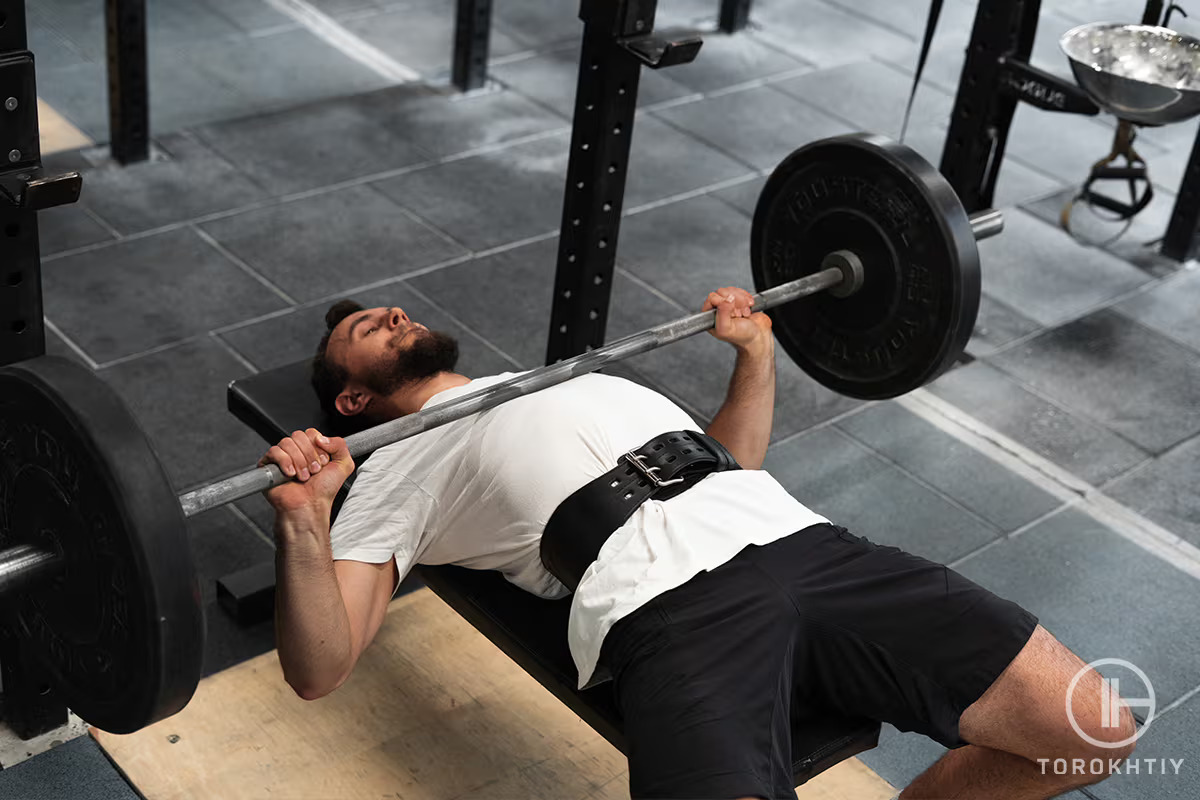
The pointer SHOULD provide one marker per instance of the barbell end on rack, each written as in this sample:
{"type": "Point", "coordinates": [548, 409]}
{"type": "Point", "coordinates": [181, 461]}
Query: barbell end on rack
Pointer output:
{"type": "Point", "coordinates": [986, 224]}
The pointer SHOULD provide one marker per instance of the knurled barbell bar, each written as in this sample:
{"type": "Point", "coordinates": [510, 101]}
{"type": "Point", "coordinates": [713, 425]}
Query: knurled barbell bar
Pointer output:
{"type": "Point", "coordinates": [862, 254]}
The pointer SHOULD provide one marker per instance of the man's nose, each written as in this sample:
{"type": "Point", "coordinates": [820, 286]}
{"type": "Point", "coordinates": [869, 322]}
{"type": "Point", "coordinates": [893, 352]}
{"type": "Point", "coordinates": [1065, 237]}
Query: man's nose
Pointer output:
{"type": "Point", "coordinates": [397, 317]}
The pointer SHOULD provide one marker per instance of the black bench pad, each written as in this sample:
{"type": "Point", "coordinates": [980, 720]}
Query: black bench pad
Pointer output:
{"type": "Point", "coordinates": [530, 630]}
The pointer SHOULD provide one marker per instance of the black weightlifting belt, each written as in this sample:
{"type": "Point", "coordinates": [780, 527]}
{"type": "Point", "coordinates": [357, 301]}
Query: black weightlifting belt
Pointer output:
{"type": "Point", "coordinates": [658, 470]}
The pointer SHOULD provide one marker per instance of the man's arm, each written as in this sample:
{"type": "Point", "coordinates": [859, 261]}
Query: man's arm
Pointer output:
{"type": "Point", "coordinates": [311, 624]}
{"type": "Point", "coordinates": [325, 615]}
{"type": "Point", "coordinates": [743, 423]}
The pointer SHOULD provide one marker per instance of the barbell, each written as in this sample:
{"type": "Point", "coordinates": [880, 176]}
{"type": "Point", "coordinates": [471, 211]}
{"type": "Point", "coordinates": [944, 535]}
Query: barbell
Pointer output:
{"type": "Point", "coordinates": [860, 251]}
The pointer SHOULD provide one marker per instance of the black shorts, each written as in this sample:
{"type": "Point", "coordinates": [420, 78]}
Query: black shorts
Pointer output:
{"type": "Point", "coordinates": [709, 674]}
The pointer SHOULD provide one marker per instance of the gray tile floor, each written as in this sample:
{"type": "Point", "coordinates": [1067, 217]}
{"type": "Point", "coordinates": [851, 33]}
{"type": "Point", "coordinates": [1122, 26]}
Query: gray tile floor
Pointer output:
{"type": "Point", "coordinates": [288, 175]}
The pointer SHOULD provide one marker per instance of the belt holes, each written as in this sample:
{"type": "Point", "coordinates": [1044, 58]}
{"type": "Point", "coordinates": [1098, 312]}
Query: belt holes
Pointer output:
{"type": "Point", "coordinates": [657, 447]}
{"type": "Point", "coordinates": [673, 439]}
{"type": "Point", "coordinates": [671, 460]}
{"type": "Point", "coordinates": [614, 484]}
{"type": "Point", "coordinates": [629, 495]}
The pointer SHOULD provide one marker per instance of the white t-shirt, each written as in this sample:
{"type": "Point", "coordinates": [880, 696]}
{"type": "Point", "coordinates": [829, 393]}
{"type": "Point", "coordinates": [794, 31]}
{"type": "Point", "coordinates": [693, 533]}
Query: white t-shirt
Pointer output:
{"type": "Point", "coordinates": [479, 491]}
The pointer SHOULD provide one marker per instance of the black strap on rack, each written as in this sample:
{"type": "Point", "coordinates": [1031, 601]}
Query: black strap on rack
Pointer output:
{"type": "Point", "coordinates": [935, 10]}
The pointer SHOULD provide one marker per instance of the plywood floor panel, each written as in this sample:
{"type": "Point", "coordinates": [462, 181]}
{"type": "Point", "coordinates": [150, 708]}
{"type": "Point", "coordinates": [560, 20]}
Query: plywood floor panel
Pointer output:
{"type": "Point", "coordinates": [433, 712]}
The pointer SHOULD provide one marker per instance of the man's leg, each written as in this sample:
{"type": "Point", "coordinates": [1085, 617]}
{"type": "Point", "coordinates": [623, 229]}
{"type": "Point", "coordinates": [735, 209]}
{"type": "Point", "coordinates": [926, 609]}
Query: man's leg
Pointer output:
{"type": "Point", "coordinates": [1021, 718]}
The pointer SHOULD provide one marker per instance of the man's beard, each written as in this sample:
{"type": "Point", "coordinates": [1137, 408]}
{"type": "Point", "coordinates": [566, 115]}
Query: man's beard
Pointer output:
{"type": "Point", "coordinates": [427, 354]}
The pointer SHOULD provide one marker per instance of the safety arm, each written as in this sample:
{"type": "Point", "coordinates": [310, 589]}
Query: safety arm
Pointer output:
{"type": "Point", "coordinates": [743, 424]}
{"type": "Point", "coordinates": [311, 623]}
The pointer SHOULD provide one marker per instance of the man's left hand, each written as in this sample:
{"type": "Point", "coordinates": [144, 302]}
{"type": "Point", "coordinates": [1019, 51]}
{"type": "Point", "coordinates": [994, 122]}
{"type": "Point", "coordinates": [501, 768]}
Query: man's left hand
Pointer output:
{"type": "Point", "coordinates": [737, 322]}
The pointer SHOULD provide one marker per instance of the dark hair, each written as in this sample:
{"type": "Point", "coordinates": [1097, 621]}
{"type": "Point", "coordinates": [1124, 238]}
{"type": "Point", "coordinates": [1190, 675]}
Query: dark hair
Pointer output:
{"type": "Point", "coordinates": [329, 377]}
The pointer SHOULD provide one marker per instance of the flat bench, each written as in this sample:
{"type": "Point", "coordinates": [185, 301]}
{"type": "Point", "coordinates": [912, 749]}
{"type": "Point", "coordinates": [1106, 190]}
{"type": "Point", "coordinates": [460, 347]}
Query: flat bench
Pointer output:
{"type": "Point", "coordinates": [530, 630]}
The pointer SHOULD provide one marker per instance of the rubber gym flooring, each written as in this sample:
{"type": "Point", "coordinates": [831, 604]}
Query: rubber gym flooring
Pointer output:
{"type": "Point", "coordinates": [1058, 467]}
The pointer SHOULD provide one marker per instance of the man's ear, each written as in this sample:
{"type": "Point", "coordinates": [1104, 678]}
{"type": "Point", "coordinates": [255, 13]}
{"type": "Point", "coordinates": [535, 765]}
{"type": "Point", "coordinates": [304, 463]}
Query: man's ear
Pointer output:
{"type": "Point", "coordinates": [352, 401]}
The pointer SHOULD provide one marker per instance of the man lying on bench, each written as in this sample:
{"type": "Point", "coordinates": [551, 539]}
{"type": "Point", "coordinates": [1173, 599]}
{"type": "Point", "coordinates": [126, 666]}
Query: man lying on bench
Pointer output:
{"type": "Point", "coordinates": [720, 605]}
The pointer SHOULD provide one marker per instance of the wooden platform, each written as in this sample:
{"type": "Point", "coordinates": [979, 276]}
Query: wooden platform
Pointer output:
{"type": "Point", "coordinates": [433, 712]}
{"type": "Point", "coordinates": [57, 133]}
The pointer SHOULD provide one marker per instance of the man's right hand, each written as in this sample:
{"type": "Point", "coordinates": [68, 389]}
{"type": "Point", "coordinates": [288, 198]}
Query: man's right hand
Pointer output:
{"type": "Point", "coordinates": [317, 464]}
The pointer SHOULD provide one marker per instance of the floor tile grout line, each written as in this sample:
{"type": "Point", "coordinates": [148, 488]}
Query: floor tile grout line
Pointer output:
{"type": "Point", "coordinates": [237, 326]}
{"type": "Point", "coordinates": [1062, 404]}
{"type": "Point", "coordinates": [834, 420]}
{"type": "Point", "coordinates": [1125, 522]}
{"type": "Point", "coordinates": [273, 30]}
{"type": "Point", "coordinates": [71, 343]}
{"type": "Point", "coordinates": [250, 523]}
{"type": "Point", "coordinates": [195, 338]}
{"type": "Point", "coordinates": [854, 12]}
{"type": "Point", "coordinates": [102, 222]}
{"type": "Point", "coordinates": [694, 193]}
{"type": "Point", "coordinates": [1028, 526]}
{"type": "Point", "coordinates": [703, 140]}
{"type": "Point", "coordinates": [758, 83]}
{"type": "Point", "coordinates": [755, 32]}
{"type": "Point", "coordinates": [418, 219]}
{"type": "Point", "coordinates": [1177, 702]}
{"type": "Point", "coordinates": [1140, 466]}
{"type": "Point", "coordinates": [908, 473]}
{"type": "Point", "coordinates": [234, 352]}
{"type": "Point", "coordinates": [337, 36]}
{"type": "Point", "coordinates": [1151, 329]}
{"type": "Point", "coordinates": [509, 87]}
{"type": "Point", "coordinates": [649, 287]}
{"type": "Point", "coordinates": [238, 262]}
{"type": "Point", "coordinates": [272, 202]}
{"type": "Point", "coordinates": [468, 328]}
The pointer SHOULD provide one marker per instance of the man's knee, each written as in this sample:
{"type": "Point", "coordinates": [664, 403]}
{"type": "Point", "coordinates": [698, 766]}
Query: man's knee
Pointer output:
{"type": "Point", "coordinates": [1102, 734]}
{"type": "Point", "coordinates": [1026, 713]}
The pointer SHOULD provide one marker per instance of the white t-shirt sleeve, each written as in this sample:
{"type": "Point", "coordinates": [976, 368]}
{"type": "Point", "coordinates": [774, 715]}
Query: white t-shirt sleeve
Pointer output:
{"type": "Point", "coordinates": [383, 518]}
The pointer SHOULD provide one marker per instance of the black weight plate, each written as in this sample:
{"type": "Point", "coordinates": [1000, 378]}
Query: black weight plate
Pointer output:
{"type": "Point", "coordinates": [120, 630]}
{"type": "Point", "coordinates": [916, 309]}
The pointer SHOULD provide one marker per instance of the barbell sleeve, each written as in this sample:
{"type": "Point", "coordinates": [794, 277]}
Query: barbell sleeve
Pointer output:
{"type": "Point", "coordinates": [987, 223]}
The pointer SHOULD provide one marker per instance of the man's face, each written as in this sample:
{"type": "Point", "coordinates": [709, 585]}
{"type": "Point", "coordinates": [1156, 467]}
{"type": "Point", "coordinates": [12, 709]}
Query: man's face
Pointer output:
{"type": "Point", "coordinates": [384, 350]}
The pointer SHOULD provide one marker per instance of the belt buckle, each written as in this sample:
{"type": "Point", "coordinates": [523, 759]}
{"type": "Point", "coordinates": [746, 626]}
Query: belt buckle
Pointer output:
{"type": "Point", "coordinates": [648, 472]}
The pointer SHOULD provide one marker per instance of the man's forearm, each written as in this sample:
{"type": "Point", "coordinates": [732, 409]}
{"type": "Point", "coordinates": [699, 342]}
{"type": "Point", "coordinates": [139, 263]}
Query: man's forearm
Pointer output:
{"type": "Point", "coordinates": [311, 626]}
{"type": "Point", "coordinates": [743, 424]}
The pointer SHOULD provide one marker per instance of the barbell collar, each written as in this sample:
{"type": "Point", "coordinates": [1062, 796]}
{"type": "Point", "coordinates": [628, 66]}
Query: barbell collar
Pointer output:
{"type": "Point", "coordinates": [986, 224]}
{"type": "Point", "coordinates": [261, 479]}
{"type": "Point", "coordinates": [25, 565]}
